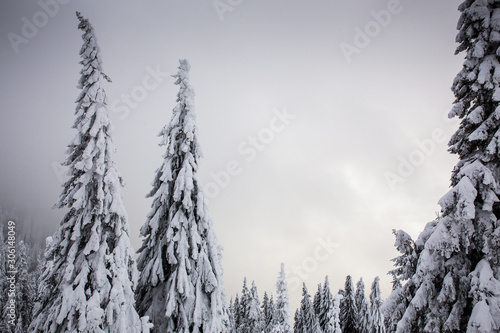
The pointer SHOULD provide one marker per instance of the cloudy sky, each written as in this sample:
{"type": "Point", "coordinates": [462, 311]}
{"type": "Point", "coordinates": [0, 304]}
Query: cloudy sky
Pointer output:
{"type": "Point", "coordinates": [323, 123]}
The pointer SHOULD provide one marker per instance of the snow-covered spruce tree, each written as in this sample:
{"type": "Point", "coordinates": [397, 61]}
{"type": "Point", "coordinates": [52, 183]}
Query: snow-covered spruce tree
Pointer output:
{"type": "Point", "coordinates": [337, 326]}
{"type": "Point", "coordinates": [317, 300]}
{"type": "Point", "coordinates": [242, 314]}
{"type": "Point", "coordinates": [325, 316]}
{"type": "Point", "coordinates": [348, 309]}
{"type": "Point", "coordinates": [456, 283]}
{"type": "Point", "coordinates": [395, 305]}
{"type": "Point", "coordinates": [236, 313]}
{"type": "Point", "coordinates": [405, 263]}
{"type": "Point", "coordinates": [297, 321]}
{"type": "Point", "coordinates": [362, 306]}
{"type": "Point", "coordinates": [25, 290]}
{"type": "Point", "coordinates": [267, 309]}
{"type": "Point", "coordinates": [376, 323]}
{"type": "Point", "coordinates": [309, 320]}
{"type": "Point", "coordinates": [231, 311]}
{"type": "Point", "coordinates": [88, 286]}
{"type": "Point", "coordinates": [180, 285]}
{"type": "Point", "coordinates": [281, 316]}
{"type": "Point", "coordinates": [254, 315]}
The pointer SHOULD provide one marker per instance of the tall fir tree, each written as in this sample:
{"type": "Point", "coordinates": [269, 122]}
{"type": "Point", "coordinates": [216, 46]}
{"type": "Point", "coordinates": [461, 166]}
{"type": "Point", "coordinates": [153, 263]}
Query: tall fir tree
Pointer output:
{"type": "Point", "coordinates": [25, 290]}
{"type": "Point", "coordinates": [317, 300]}
{"type": "Point", "coordinates": [348, 309]}
{"type": "Point", "coordinates": [254, 319]}
{"type": "Point", "coordinates": [236, 313]}
{"type": "Point", "coordinates": [309, 320]}
{"type": "Point", "coordinates": [267, 309]}
{"type": "Point", "coordinates": [231, 312]}
{"type": "Point", "coordinates": [88, 285]}
{"type": "Point", "coordinates": [243, 308]}
{"type": "Point", "coordinates": [376, 322]}
{"type": "Point", "coordinates": [281, 315]}
{"type": "Point", "coordinates": [180, 285]}
{"type": "Point", "coordinates": [456, 286]}
{"type": "Point", "coordinates": [325, 316]}
{"type": "Point", "coordinates": [297, 321]}
{"type": "Point", "coordinates": [335, 320]}
{"type": "Point", "coordinates": [362, 306]}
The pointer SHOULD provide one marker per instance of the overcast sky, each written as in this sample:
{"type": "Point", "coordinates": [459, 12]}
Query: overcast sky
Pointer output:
{"type": "Point", "coordinates": [301, 117]}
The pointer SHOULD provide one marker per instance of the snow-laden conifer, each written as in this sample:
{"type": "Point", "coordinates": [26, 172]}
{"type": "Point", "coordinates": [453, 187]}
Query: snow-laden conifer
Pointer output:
{"type": "Point", "coordinates": [348, 309]}
{"type": "Point", "coordinates": [317, 300]}
{"type": "Point", "coordinates": [362, 306]}
{"type": "Point", "coordinates": [25, 290]}
{"type": "Point", "coordinates": [267, 309]}
{"type": "Point", "coordinates": [376, 319]}
{"type": "Point", "coordinates": [455, 284]}
{"type": "Point", "coordinates": [180, 285]}
{"type": "Point", "coordinates": [309, 321]}
{"type": "Point", "coordinates": [281, 316]}
{"type": "Point", "coordinates": [88, 281]}
{"type": "Point", "coordinates": [297, 321]}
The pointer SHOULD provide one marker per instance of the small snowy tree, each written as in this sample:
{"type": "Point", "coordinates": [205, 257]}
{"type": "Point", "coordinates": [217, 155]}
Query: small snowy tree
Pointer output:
{"type": "Point", "coordinates": [88, 282]}
{"type": "Point", "coordinates": [180, 285]}
{"type": "Point", "coordinates": [454, 287]}
{"type": "Point", "coordinates": [309, 320]}
{"type": "Point", "coordinates": [362, 306]}
{"type": "Point", "coordinates": [395, 305]}
{"type": "Point", "coordinates": [348, 309]}
{"type": "Point", "coordinates": [405, 263]}
{"type": "Point", "coordinates": [376, 324]}
{"type": "Point", "coordinates": [281, 316]}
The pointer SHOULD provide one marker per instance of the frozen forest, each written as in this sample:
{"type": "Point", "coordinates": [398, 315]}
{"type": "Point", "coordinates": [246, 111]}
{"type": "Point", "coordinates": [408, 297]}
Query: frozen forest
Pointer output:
{"type": "Point", "coordinates": [87, 277]}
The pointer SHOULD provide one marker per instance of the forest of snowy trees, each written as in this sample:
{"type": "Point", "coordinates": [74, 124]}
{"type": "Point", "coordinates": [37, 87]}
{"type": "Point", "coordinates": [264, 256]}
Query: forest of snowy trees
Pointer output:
{"type": "Point", "coordinates": [86, 276]}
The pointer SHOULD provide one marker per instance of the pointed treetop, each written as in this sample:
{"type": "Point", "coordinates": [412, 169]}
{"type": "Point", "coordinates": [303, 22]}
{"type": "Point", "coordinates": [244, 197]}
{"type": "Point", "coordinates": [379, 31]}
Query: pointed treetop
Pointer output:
{"type": "Point", "coordinates": [90, 50]}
